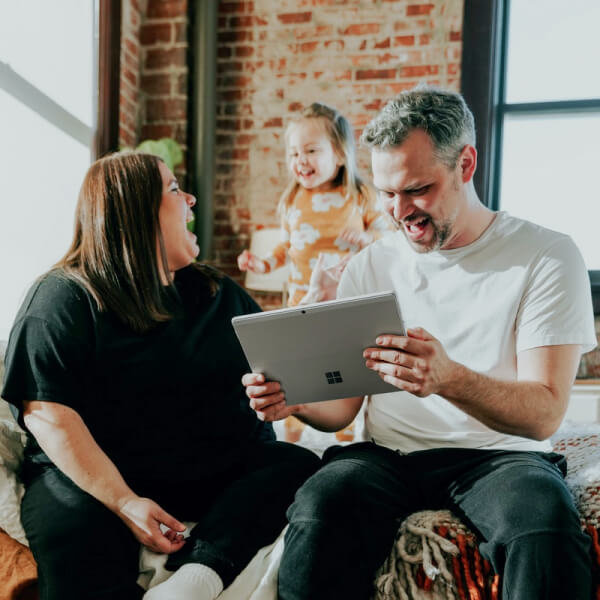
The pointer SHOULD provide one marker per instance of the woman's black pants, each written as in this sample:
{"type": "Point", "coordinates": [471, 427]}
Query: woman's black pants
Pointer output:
{"type": "Point", "coordinates": [85, 551]}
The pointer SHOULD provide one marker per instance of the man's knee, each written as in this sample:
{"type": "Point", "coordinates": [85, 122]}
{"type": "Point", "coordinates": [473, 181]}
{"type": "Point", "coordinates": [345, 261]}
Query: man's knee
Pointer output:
{"type": "Point", "coordinates": [540, 503]}
{"type": "Point", "coordinates": [331, 493]}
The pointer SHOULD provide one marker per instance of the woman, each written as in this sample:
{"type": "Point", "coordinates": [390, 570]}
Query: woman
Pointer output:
{"type": "Point", "coordinates": [124, 368]}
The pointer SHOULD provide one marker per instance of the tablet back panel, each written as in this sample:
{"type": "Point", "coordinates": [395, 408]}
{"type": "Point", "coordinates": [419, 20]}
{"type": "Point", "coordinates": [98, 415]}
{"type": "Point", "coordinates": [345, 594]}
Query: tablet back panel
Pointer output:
{"type": "Point", "coordinates": [315, 351]}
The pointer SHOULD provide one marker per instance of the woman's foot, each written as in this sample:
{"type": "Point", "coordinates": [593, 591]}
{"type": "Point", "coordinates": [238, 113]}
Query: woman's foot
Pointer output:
{"type": "Point", "coordinates": [190, 582]}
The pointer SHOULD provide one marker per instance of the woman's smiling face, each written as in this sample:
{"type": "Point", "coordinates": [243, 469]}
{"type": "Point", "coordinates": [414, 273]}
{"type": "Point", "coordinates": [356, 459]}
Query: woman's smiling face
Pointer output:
{"type": "Point", "coordinates": [175, 212]}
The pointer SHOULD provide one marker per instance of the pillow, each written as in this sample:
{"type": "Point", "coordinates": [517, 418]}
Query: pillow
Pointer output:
{"type": "Point", "coordinates": [12, 441]}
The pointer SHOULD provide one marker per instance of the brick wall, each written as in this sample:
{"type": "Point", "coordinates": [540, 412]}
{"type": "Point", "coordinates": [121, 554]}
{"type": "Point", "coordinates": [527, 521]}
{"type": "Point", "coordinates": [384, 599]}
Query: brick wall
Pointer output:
{"type": "Point", "coordinates": [154, 72]}
{"type": "Point", "coordinates": [276, 56]}
{"type": "Point", "coordinates": [129, 95]}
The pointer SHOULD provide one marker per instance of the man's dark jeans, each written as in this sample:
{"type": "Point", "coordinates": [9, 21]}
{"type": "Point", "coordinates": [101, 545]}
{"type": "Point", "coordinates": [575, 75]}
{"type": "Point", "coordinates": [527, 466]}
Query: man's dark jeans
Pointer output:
{"type": "Point", "coordinates": [345, 517]}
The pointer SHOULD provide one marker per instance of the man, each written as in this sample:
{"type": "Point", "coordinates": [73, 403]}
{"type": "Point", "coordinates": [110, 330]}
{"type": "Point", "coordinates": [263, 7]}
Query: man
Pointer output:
{"type": "Point", "coordinates": [498, 311]}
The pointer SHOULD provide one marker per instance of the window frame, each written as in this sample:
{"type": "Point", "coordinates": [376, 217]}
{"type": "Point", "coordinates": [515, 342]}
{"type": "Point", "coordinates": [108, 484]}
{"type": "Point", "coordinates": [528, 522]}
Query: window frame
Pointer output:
{"type": "Point", "coordinates": [483, 84]}
{"type": "Point", "coordinates": [109, 75]}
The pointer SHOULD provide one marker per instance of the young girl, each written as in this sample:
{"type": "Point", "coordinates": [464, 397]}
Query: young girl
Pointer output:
{"type": "Point", "coordinates": [327, 212]}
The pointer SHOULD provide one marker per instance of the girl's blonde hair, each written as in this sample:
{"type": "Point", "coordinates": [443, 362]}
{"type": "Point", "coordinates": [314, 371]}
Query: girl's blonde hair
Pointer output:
{"type": "Point", "coordinates": [341, 135]}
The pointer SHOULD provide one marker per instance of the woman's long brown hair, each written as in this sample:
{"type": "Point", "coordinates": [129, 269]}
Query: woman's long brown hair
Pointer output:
{"type": "Point", "coordinates": [114, 248]}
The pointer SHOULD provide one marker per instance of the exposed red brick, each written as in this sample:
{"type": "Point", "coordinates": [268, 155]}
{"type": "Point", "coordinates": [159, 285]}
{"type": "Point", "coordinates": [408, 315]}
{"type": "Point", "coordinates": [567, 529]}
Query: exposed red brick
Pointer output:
{"type": "Point", "coordinates": [244, 138]}
{"type": "Point", "coordinates": [247, 21]}
{"type": "Point", "coordinates": [237, 110]}
{"type": "Point", "coordinates": [229, 95]}
{"type": "Point", "coordinates": [419, 71]}
{"type": "Point", "coordinates": [231, 37]}
{"type": "Point", "coordinates": [165, 57]}
{"type": "Point", "coordinates": [311, 32]}
{"type": "Point", "coordinates": [156, 33]}
{"type": "Point", "coordinates": [234, 81]}
{"type": "Point", "coordinates": [235, 7]}
{"type": "Point", "coordinates": [130, 76]}
{"type": "Point", "coordinates": [131, 47]}
{"type": "Point", "coordinates": [129, 61]}
{"type": "Point", "coordinates": [182, 84]}
{"type": "Point", "coordinates": [229, 124]}
{"type": "Point", "coordinates": [342, 76]}
{"type": "Point", "coordinates": [336, 44]}
{"type": "Point", "coordinates": [158, 9]}
{"type": "Point", "coordinates": [156, 84]}
{"type": "Point", "coordinates": [375, 74]}
{"type": "Point", "coordinates": [361, 29]}
{"type": "Point", "coordinates": [181, 32]}
{"type": "Point", "coordinates": [155, 132]}
{"type": "Point", "coordinates": [233, 154]}
{"type": "Point", "coordinates": [455, 36]}
{"type": "Point", "coordinates": [404, 40]}
{"type": "Point", "coordinates": [223, 52]}
{"type": "Point", "coordinates": [295, 106]}
{"type": "Point", "coordinates": [243, 51]}
{"type": "Point", "coordinates": [288, 18]}
{"type": "Point", "coordinates": [308, 47]}
{"type": "Point", "coordinates": [229, 67]}
{"type": "Point", "coordinates": [273, 122]}
{"type": "Point", "coordinates": [419, 9]}
{"type": "Point", "coordinates": [374, 104]}
{"type": "Point", "coordinates": [424, 39]}
{"type": "Point", "coordinates": [385, 43]}
{"type": "Point", "coordinates": [453, 68]}
{"type": "Point", "coordinates": [166, 109]}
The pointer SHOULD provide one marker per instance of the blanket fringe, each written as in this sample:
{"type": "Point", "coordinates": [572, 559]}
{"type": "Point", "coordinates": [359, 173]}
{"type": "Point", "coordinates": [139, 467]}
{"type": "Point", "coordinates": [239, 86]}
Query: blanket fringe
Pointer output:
{"type": "Point", "coordinates": [435, 557]}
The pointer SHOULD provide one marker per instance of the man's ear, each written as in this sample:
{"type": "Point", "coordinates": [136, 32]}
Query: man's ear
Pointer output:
{"type": "Point", "coordinates": [467, 162]}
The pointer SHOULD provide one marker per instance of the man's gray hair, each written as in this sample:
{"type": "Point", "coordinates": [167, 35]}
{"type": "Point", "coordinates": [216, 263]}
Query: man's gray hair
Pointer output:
{"type": "Point", "coordinates": [443, 115]}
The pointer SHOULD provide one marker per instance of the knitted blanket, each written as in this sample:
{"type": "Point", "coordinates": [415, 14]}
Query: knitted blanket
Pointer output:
{"type": "Point", "coordinates": [435, 557]}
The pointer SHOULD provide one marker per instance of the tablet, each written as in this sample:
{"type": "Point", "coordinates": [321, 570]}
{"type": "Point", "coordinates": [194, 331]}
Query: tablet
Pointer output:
{"type": "Point", "coordinates": [315, 350]}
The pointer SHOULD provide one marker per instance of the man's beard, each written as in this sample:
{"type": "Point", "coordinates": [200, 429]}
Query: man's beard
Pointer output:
{"type": "Point", "coordinates": [442, 231]}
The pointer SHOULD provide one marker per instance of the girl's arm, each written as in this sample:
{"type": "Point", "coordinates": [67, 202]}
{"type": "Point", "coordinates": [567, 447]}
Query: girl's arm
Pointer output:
{"type": "Point", "coordinates": [279, 254]}
{"type": "Point", "coordinates": [264, 264]}
{"type": "Point", "coordinates": [66, 440]}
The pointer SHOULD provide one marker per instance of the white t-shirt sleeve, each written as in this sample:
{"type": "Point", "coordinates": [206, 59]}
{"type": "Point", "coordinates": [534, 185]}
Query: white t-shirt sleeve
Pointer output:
{"type": "Point", "coordinates": [556, 307]}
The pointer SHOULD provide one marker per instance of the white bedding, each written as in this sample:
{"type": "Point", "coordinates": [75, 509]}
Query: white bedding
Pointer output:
{"type": "Point", "coordinates": [258, 581]}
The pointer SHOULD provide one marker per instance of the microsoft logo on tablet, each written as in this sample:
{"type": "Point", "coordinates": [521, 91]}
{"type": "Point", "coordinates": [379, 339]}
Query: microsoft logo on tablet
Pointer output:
{"type": "Point", "coordinates": [334, 377]}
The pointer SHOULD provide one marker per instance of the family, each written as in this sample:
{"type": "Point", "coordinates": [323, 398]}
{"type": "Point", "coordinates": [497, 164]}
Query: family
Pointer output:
{"type": "Point", "coordinates": [123, 367]}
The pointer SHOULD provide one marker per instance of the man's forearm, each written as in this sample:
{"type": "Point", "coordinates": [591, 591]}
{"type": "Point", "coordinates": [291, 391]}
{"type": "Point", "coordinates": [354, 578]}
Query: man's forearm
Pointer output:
{"type": "Point", "coordinates": [524, 408]}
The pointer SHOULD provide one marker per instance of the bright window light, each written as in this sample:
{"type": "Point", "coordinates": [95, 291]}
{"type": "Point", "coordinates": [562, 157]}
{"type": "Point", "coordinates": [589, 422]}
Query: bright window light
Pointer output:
{"type": "Point", "coordinates": [550, 175]}
{"type": "Point", "coordinates": [553, 50]}
{"type": "Point", "coordinates": [47, 89]}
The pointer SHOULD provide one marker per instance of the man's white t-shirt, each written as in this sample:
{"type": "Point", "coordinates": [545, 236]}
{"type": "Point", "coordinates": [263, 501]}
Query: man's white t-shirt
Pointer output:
{"type": "Point", "coordinates": [518, 286]}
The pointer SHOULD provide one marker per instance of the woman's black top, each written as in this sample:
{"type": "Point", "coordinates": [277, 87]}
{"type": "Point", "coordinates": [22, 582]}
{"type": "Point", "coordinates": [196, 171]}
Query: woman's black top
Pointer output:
{"type": "Point", "coordinates": [161, 404]}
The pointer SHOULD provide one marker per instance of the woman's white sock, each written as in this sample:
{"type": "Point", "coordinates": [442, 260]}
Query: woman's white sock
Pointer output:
{"type": "Point", "coordinates": [190, 582]}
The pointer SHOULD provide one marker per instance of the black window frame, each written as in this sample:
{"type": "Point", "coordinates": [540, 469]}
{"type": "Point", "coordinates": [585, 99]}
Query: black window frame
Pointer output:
{"type": "Point", "coordinates": [483, 84]}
